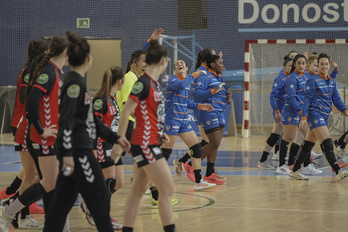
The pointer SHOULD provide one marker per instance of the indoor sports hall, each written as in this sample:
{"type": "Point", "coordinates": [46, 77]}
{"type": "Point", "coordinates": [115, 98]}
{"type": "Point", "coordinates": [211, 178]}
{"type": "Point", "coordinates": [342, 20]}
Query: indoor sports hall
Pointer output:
{"type": "Point", "coordinates": [252, 38]}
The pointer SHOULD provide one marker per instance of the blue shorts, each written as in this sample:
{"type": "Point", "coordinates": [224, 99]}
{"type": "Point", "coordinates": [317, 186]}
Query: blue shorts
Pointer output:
{"type": "Point", "coordinates": [175, 127]}
{"type": "Point", "coordinates": [210, 120]}
{"type": "Point", "coordinates": [315, 120]}
{"type": "Point", "coordinates": [290, 117]}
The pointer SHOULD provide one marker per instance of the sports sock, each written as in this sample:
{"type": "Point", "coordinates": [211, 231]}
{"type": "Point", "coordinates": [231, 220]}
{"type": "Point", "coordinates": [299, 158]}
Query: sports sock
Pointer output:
{"type": "Point", "coordinates": [14, 186]}
{"type": "Point", "coordinates": [210, 169]}
{"type": "Point", "coordinates": [264, 156]}
{"type": "Point", "coordinates": [154, 192]}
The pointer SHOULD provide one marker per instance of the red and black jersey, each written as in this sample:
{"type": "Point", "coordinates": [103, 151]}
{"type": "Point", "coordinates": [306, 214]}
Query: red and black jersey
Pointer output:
{"type": "Point", "coordinates": [108, 112]}
{"type": "Point", "coordinates": [19, 108]}
{"type": "Point", "coordinates": [149, 113]}
{"type": "Point", "coordinates": [78, 126]}
{"type": "Point", "coordinates": [48, 82]}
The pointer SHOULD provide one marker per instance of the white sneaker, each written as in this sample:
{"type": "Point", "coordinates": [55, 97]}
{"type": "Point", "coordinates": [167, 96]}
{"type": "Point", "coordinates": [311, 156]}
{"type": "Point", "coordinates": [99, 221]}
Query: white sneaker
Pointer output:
{"type": "Point", "coordinates": [275, 156]}
{"type": "Point", "coordinates": [283, 170]}
{"type": "Point", "coordinates": [89, 217]}
{"type": "Point", "coordinates": [298, 175]}
{"type": "Point", "coordinates": [341, 152]}
{"type": "Point", "coordinates": [310, 170]}
{"type": "Point", "coordinates": [203, 185]}
{"type": "Point", "coordinates": [316, 155]}
{"type": "Point", "coordinates": [30, 223]}
{"type": "Point", "coordinates": [341, 175]}
{"type": "Point", "coordinates": [265, 166]}
{"type": "Point", "coordinates": [147, 192]}
{"type": "Point", "coordinates": [115, 224]}
{"type": "Point", "coordinates": [5, 220]}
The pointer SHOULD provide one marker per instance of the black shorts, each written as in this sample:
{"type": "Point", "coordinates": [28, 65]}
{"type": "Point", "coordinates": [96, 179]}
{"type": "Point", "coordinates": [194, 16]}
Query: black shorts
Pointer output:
{"type": "Point", "coordinates": [104, 154]}
{"type": "Point", "coordinates": [146, 156]}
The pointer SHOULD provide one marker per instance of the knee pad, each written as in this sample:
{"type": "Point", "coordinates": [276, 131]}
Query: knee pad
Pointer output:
{"type": "Point", "coordinates": [110, 185]}
{"type": "Point", "coordinates": [196, 151]}
{"type": "Point", "coordinates": [307, 146]}
{"type": "Point", "coordinates": [203, 143]}
{"type": "Point", "coordinates": [327, 145]}
{"type": "Point", "coordinates": [166, 152]}
{"type": "Point", "coordinates": [272, 139]}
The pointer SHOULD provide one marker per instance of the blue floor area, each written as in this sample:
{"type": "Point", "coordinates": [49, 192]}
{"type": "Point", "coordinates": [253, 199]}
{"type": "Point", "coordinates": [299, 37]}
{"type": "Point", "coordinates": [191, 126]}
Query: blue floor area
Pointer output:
{"type": "Point", "coordinates": [10, 162]}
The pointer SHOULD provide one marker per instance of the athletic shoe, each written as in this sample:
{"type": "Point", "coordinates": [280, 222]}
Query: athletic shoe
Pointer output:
{"type": "Point", "coordinates": [310, 170]}
{"type": "Point", "coordinates": [89, 217]}
{"type": "Point", "coordinates": [265, 166]}
{"type": "Point", "coordinates": [154, 203]}
{"type": "Point", "coordinates": [341, 175]}
{"type": "Point", "coordinates": [189, 172]}
{"type": "Point", "coordinates": [36, 209]}
{"type": "Point", "coordinates": [203, 185]}
{"type": "Point", "coordinates": [115, 224]}
{"type": "Point", "coordinates": [213, 179]}
{"type": "Point", "coordinates": [5, 220]}
{"type": "Point", "coordinates": [315, 156]}
{"type": "Point", "coordinates": [298, 175]}
{"type": "Point", "coordinates": [3, 194]}
{"type": "Point", "coordinates": [219, 176]}
{"type": "Point", "coordinates": [30, 223]}
{"type": "Point", "coordinates": [178, 167]}
{"type": "Point", "coordinates": [283, 170]}
{"type": "Point", "coordinates": [275, 156]}
{"type": "Point", "coordinates": [147, 192]}
{"type": "Point", "coordinates": [341, 164]}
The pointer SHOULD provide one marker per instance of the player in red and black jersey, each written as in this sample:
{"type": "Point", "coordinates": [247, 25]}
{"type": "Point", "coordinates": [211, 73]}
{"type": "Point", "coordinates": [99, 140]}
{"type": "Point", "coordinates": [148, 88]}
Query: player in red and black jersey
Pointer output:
{"type": "Point", "coordinates": [147, 100]}
{"type": "Point", "coordinates": [42, 106]}
{"type": "Point", "coordinates": [19, 129]}
{"type": "Point", "coordinates": [79, 169]}
{"type": "Point", "coordinates": [105, 107]}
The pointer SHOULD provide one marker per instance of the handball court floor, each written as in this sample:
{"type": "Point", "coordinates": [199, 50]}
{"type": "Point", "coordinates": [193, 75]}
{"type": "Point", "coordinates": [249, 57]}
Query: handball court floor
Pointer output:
{"type": "Point", "coordinates": [251, 199]}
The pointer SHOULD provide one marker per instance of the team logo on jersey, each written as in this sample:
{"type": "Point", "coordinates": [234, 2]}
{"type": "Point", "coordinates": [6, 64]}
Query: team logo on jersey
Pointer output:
{"type": "Point", "coordinates": [199, 83]}
{"type": "Point", "coordinates": [26, 78]}
{"type": "Point", "coordinates": [87, 98]}
{"type": "Point", "coordinates": [315, 121]}
{"type": "Point", "coordinates": [292, 86]}
{"type": "Point", "coordinates": [275, 85]}
{"type": "Point", "coordinates": [157, 96]}
{"type": "Point", "coordinates": [42, 79]}
{"type": "Point", "coordinates": [308, 87]}
{"type": "Point", "coordinates": [289, 119]}
{"type": "Point", "coordinates": [137, 88]}
{"type": "Point", "coordinates": [167, 128]}
{"type": "Point", "coordinates": [98, 104]}
{"type": "Point", "coordinates": [189, 126]}
{"type": "Point", "coordinates": [73, 91]}
{"type": "Point", "coordinates": [208, 122]}
{"type": "Point", "coordinates": [112, 110]}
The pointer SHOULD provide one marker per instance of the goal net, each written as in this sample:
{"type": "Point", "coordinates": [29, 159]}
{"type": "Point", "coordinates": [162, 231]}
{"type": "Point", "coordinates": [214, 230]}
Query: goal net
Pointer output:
{"type": "Point", "coordinates": [263, 62]}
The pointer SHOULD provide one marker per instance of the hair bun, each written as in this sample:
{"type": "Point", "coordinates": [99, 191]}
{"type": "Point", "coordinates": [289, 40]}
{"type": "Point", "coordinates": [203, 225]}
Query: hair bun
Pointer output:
{"type": "Point", "coordinates": [153, 42]}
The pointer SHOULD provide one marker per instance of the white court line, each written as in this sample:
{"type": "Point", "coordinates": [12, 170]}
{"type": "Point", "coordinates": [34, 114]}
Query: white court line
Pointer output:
{"type": "Point", "coordinates": [250, 208]}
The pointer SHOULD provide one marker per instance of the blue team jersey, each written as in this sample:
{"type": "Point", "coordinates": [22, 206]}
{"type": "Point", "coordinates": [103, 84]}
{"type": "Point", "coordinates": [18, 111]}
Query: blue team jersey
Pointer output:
{"type": "Point", "coordinates": [320, 93]}
{"type": "Point", "coordinates": [295, 87]}
{"type": "Point", "coordinates": [203, 91]}
{"type": "Point", "coordinates": [178, 91]}
{"type": "Point", "coordinates": [278, 94]}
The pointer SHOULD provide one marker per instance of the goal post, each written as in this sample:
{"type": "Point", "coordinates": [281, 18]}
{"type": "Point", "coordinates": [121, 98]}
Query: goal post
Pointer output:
{"type": "Point", "coordinates": [263, 60]}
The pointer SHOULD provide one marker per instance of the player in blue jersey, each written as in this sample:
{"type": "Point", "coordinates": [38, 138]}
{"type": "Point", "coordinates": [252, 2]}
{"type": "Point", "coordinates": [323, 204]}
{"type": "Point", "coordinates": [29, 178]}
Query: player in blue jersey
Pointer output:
{"type": "Point", "coordinates": [177, 103]}
{"type": "Point", "coordinates": [210, 88]}
{"type": "Point", "coordinates": [277, 100]}
{"type": "Point", "coordinates": [321, 93]}
{"type": "Point", "coordinates": [291, 112]}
